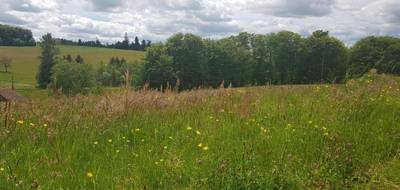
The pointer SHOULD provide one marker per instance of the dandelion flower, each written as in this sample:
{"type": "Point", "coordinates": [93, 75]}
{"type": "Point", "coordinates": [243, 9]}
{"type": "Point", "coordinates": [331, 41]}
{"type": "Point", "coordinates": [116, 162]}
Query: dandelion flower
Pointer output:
{"type": "Point", "coordinates": [20, 122]}
{"type": "Point", "coordinates": [95, 142]}
{"type": "Point", "coordinates": [1, 169]}
{"type": "Point", "coordinates": [198, 133]}
{"type": "Point", "coordinates": [200, 145]}
{"type": "Point", "coordinates": [89, 174]}
{"type": "Point", "coordinates": [110, 140]}
{"type": "Point", "coordinates": [205, 148]}
{"type": "Point", "coordinates": [188, 128]}
{"type": "Point", "coordinates": [45, 125]}
{"type": "Point", "coordinates": [165, 147]}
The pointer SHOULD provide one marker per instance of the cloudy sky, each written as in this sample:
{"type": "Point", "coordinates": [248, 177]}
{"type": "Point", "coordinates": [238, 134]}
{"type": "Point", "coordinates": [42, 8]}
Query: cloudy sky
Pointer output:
{"type": "Point", "coordinates": [156, 20]}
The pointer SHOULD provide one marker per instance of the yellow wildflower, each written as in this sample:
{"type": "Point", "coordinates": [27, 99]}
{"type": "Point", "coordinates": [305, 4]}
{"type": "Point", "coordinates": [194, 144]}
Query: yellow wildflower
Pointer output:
{"type": "Point", "coordinates": [205, 148]}
{"type": "Point", "coordinates": [31, 124]}
{"type": "Point", "coordinates": [89, 174]}
{"type": "Point", "coordinates": [165, 147]}
{"type": "Point", "coordinates": [161, 160]}
{"type": "Point", "coordinates": [188, 128]}
{"type": "Point", "coordinates": [45, 125]}
{"type": "Point", "coordinates": [198, 133]}
{"type": "Point", "coordinates": [200, 145]}
{"type": "Point", "coordinates": [1, 169]}
{"type": "Point", "coordinates": [95, 142]}
{"type": "Point", "coordinates": [110, 140]}
{"type": "Point", "coordinates": [137, 129]}
{"type": "Point", "coordinates": [20, 122]}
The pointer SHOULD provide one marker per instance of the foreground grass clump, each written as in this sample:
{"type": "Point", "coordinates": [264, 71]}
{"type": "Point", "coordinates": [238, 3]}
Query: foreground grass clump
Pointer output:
{"type": "Point", "coordinates": [289, 137]}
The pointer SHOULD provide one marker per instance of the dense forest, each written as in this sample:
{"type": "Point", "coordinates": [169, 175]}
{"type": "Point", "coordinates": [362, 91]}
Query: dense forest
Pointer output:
{"type": "Point", "coordinates": [138, 45]}
{"type": "Point", "coordinates": [285, 57]}
{"type": "Point", "coordinates": [15, 36]}
{"type": "Point", "coordinates": [186, 61]}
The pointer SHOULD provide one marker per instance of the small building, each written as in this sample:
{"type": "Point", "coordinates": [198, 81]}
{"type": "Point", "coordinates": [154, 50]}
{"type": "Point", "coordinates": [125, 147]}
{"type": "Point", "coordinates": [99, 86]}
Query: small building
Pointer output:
{"type": "Point", "coordinates": [9, 96]}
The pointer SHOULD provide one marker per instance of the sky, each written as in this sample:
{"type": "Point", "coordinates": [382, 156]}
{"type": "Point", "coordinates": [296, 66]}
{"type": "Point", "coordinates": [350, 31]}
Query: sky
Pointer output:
{"type": "Point", "coordinates": [156, 20]}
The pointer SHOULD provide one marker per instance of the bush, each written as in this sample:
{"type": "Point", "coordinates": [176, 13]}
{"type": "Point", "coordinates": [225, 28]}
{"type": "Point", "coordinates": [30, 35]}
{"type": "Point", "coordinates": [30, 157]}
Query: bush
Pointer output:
{"type": "Point", "coordinates": [74, 78]}
{"type": "Point", "coordinates": [111, 74]}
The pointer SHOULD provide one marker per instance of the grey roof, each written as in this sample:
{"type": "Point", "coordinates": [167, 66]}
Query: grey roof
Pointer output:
{"type": "Point", "coordinates": [9, 96]}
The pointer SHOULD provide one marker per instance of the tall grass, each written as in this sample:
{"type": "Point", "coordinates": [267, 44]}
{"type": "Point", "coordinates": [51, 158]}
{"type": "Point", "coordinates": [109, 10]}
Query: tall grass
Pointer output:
{"type": "Point", "coordinates": [287, 137]}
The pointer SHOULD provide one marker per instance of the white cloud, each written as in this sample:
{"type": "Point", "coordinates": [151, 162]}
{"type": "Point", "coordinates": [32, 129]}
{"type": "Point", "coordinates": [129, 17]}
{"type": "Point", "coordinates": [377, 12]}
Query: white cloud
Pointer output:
{"type": "Point", "coordinates": [108, 20]}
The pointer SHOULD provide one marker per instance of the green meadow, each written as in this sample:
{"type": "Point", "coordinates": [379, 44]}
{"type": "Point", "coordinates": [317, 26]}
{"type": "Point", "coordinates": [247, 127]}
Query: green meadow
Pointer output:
{"type": "Point", "coordinates": [25, 61]}
{"type": "Point", "coordinates": [272, 137]}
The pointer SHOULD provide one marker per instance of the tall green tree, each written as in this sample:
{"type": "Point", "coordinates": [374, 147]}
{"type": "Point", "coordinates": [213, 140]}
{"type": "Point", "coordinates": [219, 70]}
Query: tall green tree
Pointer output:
{"type": "Point", "coordinates": [143, 45]}
{"type": "Point", "coordinates": [326, 59]}
{"type": "Point", "coordinates": [125, 42]}
{"type": "Point", "coordinates": [136, 45]}
{"type": "Point", "coordinates": [287, 53]}
{"type": "Point", "coordinates": [158, 69]}
{"type": "Point", "coordinates": [189, 62]}
{"type": "Point", "coordinates": [381, 53]}
{"type": "Point", "coordinates": [48, 59]}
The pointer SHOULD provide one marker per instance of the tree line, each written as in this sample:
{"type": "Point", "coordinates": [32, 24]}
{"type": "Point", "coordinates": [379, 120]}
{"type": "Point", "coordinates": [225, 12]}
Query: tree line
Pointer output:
{"type": "Point", "coordinates": [246, 59]}
{"type": "Point", "coordinates": [126, 44]}
{"type": "Point", "coordinates": [15, 36]}
{"type": "Point", "coordinates": [186, 61]}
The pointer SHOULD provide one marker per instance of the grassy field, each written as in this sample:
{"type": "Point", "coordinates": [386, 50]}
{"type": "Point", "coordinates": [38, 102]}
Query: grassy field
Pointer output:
{"type": "Point", "coordinates": [284, 137]}
{"type": "Point", "coordinates": [25, 61]}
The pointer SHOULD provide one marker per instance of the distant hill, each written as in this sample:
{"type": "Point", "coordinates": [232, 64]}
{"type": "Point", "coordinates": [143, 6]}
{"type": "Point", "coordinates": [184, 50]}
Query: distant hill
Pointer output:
{"type": "Point", "coordinates": [25, 60]}
{"type": "Point", "coordinates": [15, 36]}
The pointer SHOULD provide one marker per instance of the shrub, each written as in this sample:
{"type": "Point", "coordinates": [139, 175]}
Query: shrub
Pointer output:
{"type": "Point", "coordinates": [74, 78]}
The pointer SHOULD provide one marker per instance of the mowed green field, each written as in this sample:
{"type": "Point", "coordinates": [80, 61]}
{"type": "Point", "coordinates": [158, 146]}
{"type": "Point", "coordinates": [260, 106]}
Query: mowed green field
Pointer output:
{"type": "Point", "coordinates": [25, 61]}
{"type": "Point", "coordinates": [323, 137]}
